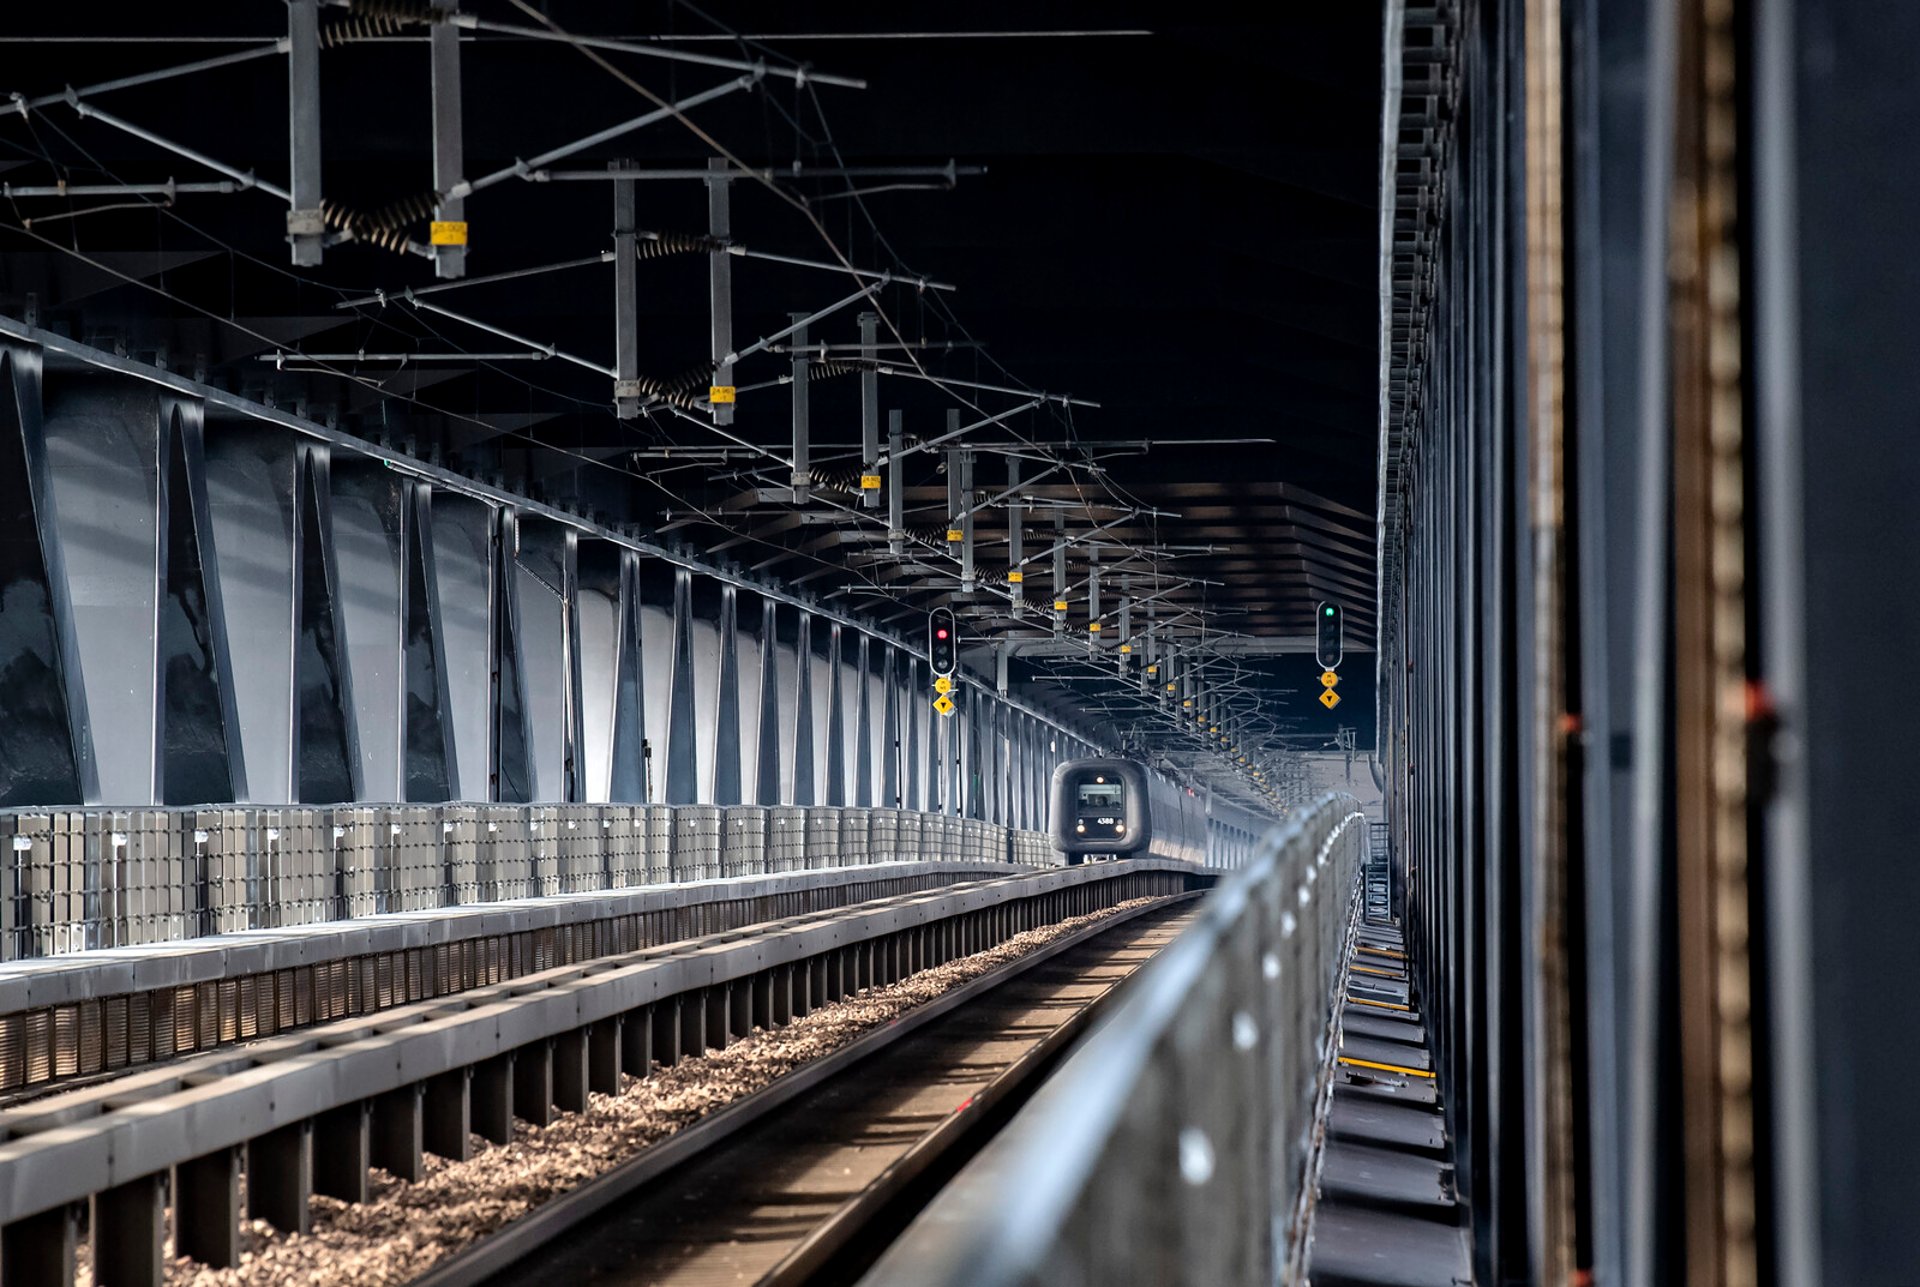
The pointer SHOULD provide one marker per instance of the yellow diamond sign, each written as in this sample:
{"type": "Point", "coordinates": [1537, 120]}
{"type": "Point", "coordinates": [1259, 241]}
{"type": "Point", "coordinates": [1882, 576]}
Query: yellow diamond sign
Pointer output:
{"type": "Point", "coordinates": [943, 683]}
{"type": "Point", "coordinates": [1328, 679]}
{"type": "Point", "coordinates": [943, 704]}
{"type": "Point", "coordinates": [1329, 699]}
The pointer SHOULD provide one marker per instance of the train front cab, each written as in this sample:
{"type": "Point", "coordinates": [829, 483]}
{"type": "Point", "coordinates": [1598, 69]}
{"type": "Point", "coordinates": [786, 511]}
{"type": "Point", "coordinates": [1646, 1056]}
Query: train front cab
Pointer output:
{"type": "Point", "coordinates": [1101, 808]}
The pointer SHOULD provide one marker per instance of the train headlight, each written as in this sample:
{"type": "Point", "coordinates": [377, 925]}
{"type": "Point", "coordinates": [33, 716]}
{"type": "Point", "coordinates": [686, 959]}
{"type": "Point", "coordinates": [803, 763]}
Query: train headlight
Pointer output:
{"type": "Point", "coordinates": [1081, 827]}
{"type": "Point", "coordinates": [1119, 828]}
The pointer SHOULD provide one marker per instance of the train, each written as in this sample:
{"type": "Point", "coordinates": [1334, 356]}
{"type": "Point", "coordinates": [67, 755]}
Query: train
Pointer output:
{"type": "Point", "coordinates": [1110, 807]}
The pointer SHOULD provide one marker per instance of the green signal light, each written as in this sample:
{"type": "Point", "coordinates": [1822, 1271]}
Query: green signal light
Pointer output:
{"type": "Point", "coordinates": [1329, 612]}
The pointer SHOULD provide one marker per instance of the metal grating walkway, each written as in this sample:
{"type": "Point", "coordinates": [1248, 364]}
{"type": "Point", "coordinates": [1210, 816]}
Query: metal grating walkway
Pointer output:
{"type": "Point", "coordinates": [1387, 1214]}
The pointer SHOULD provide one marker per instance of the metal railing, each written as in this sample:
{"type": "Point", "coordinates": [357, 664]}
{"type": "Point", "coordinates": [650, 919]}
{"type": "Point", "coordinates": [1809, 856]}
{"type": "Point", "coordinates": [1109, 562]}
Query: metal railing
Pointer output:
{"type": "Point", "coordinates": [82, 879]}
{"type": "Point", "coordinates": [162, 1150]}
{"type": "Point", "coordinates": [1170, 1147]}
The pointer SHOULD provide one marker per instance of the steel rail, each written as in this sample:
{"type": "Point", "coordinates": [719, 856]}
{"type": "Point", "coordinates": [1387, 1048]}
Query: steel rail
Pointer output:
{"type": "Point", "coordinates": [494, 1255]}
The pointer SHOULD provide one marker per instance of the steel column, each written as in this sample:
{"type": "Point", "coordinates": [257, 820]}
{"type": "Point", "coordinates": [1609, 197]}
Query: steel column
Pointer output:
{"type": "Point", "coordinates": [863, 725]}
{"type": "Point", "coordinates": [836, 793]}
{"type": "Point", "coordinates": [726, 717]}
{"type": "Point", "coordinates": [682, 776]}
{"type": "Point", "coordinates": [803, 730]}
{"type": "Point", "coordinates": [890, 728]}
{"type": "Point", "coordinates": [766, 767]}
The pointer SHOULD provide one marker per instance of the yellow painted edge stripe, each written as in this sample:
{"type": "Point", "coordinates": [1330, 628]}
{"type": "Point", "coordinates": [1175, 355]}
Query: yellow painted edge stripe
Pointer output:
{"type": "Point", "coordinates": [1384, 1005]}
{"type": "Point", "coordinates": [1388, 974]}
{"type": "Point", "coordinates": [1383, 951]}
{"type": "Point", "coordinates": [1368, 1063]}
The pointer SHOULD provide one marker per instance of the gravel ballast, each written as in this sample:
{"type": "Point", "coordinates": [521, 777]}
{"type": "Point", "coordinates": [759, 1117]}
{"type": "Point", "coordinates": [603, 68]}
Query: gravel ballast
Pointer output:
{"type": "Point", "coordinates": [404, 1229]}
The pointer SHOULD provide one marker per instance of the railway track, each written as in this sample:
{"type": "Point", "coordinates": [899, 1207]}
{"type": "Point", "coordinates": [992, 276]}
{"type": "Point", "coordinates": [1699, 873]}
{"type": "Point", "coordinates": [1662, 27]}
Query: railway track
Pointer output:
{"type": "Point", "coordinates": [809, 1180]}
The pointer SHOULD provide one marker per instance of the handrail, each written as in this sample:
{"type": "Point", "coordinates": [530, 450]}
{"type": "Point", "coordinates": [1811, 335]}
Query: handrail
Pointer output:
{"type": "Point", "coordinates": [1170, 1147]}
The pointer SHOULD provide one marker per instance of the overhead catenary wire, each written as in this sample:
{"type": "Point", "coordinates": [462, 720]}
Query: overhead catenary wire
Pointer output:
{"type": "Point", "coordinates": [947, 383]}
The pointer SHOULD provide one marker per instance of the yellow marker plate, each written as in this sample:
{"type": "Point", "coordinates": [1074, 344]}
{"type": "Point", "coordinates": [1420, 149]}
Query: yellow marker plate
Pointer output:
{"type": "Point", "coordinates": [869, 482]}
{"type": "Point", "coordinates": [1170, 687]}
{"type": "Point", "coordinates": [1059, 605]}
{"type": "Point", "coordinates": [943, 683]}
{"type": "Point", "coordinates": [943, 704]}
{"type": "Point", "coordinates": [1153, 670]}
{"type": "Point", "coordinates": [1328, 679]}
{"type": "Point", "coordinates": [1015, 578]}
{"type": "Point", "coordinates": [1126, 647]}
{"type": "Point", "coordinates": [955, 534]}
{"type": "Point", "coordinates": [1093, 627]}
{"type": "Point", "coordinates": [1392, 1068]}
{"type": "Point", "coordinates": [718, 394]}
{"type": "Point", "coordinates": [1329, 699]}
{"type": "Point", "coordinates": [448, 232]}
{"type": "Point", "coordinates": [1187, 704]}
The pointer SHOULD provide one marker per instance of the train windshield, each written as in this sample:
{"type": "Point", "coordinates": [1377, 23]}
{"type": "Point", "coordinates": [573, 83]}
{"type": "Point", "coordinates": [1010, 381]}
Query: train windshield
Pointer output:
{"type": "Point", "coordinates": [1101, 809]}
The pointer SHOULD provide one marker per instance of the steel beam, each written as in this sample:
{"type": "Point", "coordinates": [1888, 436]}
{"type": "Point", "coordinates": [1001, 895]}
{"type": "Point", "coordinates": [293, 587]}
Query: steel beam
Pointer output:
{"type": "Point", "coordinates": [306, 228]}
{"type": "Point", "coordinates": [896, 489]}
{"type": "Point", "coordinates": [869, 411]}
{"type": "Point", "coordinates": [720, 281]}
{"type": "Point", "coordinates": [626, 305]}
{"type": "Point", "coordinates": [966, 521]}
{"type": "Point", "coordinates": [1059, 552]}
{"type": "Point", "coordinates": [1016, 543]}
{"type": "Point", "coordinates": [449, 145]}
{"type": "Point", "coordinates": [801, 477]}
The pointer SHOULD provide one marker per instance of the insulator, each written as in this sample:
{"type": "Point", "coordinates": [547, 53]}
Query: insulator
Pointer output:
{"type": "Point", "coordinates": [373, 19]}
{"type": "Point", "coordinates": [377, 18]}
{"type": "Point", "coordinates": [385, 227]}
{"type": "Point", "coordinates": [676, 243]}
{"type": "Point", "coordinates": [678, 390]}
{"type": "Point", "coordinates": [351, 30]}
{"type": "Point", "coordinates": [408, 210]}
{"type": "Point", "coordinates": [838, 480]}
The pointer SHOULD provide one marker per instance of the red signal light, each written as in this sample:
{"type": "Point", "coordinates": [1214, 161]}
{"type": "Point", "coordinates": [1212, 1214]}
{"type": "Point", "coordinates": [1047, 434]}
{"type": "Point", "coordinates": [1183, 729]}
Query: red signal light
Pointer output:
{"type": "Point", "coordinates": [940, 634]}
